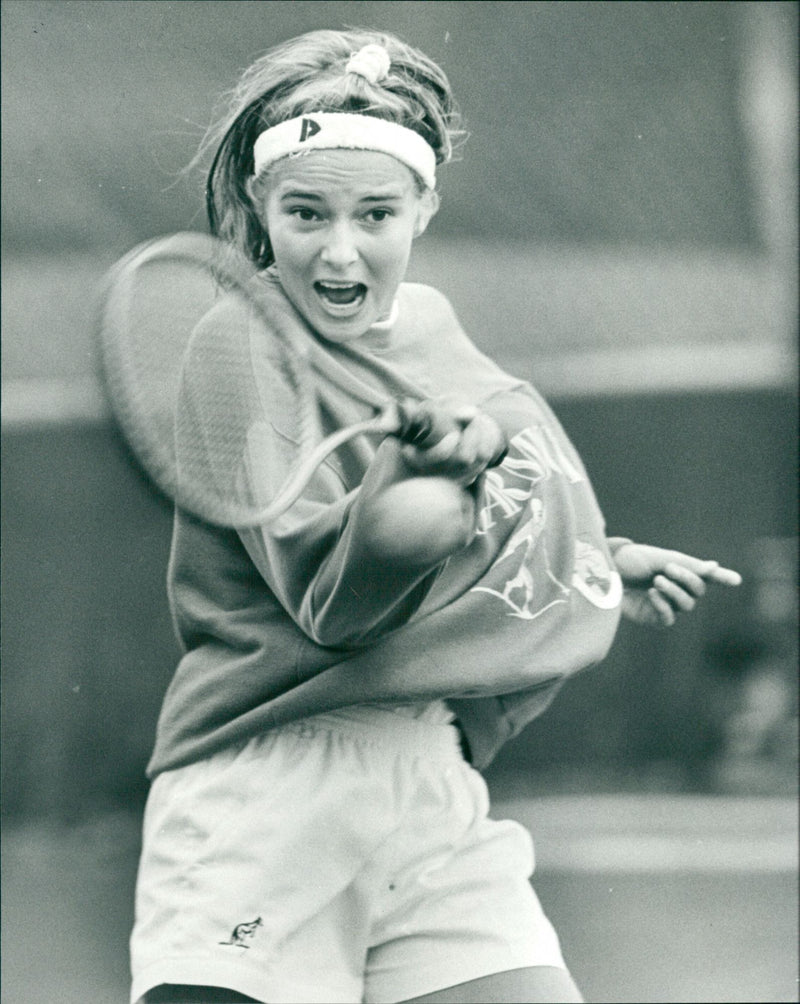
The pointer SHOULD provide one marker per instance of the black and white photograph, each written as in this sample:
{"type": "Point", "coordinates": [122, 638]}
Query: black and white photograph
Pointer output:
{"type": "Point", "coordinates": [399, 502]}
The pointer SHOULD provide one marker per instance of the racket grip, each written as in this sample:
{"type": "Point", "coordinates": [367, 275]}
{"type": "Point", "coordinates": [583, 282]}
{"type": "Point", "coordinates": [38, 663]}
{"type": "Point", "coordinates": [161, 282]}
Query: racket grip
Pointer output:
{"type": "Point", "coordinates": [420, 426]}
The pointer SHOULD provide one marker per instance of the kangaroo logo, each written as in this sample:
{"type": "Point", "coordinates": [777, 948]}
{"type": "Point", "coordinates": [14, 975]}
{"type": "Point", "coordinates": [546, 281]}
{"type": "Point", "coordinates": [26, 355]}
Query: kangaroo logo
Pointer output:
{"type": "Point", "coordinates": [242, 933]}
{"type": "Point", "coordinates": [308, 129]}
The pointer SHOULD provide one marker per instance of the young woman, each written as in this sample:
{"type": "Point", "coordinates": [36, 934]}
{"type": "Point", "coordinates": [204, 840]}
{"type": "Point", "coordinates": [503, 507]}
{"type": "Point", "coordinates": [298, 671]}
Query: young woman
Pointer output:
{"type": "Point", "coordinates": [317, 828]}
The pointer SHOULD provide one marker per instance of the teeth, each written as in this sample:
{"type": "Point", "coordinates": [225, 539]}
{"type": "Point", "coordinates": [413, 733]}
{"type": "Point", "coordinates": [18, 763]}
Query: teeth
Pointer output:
{"type": "Point", "coordinates": [341, 293]}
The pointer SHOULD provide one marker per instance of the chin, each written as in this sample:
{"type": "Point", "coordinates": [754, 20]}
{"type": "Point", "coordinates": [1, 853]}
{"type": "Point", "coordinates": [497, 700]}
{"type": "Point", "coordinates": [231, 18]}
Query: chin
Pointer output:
{"type": "Point", "coordinates": [344, 329]}
{"type": "Point", "coordinates": [341, 334]}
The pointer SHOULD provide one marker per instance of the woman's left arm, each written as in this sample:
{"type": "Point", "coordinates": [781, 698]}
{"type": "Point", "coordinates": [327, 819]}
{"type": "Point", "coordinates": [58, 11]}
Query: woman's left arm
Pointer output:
{"type": "Point", "coordinates": [660, 584]}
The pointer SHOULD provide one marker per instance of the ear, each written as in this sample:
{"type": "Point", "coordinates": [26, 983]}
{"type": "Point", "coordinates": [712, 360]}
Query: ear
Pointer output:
{"type": "Point", "coordinates": [256, 194]}
{"type": "Point", "coordinates": [427, 208]}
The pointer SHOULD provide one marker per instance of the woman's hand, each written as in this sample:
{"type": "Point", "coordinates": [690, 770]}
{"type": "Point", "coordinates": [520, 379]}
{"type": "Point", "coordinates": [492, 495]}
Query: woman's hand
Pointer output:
{"type": "Point", "coordinates": [660, 584]}
{"type": "Point", "coordinates": [451, 440]}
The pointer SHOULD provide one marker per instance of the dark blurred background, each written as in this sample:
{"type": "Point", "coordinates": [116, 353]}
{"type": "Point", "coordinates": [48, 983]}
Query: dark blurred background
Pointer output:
{"type": "Point", "coordinates": [621, 230]}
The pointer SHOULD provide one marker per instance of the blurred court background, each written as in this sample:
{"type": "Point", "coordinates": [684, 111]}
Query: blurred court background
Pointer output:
{"type": "Point", "coordinates": [622, 230]}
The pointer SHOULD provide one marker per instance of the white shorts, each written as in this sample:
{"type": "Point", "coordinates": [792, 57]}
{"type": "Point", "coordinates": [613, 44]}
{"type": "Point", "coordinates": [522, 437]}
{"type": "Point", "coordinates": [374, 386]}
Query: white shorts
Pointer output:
{"type": "Point", "coordinates": [345, 858]}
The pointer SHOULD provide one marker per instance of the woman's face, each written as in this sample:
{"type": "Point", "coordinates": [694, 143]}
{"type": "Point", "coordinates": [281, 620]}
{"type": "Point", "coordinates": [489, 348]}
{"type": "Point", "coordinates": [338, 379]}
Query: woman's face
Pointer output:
{"type": "Point", "coordinates": [341, 224]}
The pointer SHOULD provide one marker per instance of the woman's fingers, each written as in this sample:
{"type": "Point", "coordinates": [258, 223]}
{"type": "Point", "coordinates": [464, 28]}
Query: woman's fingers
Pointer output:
{"type": "Point", "coordinates": [662, 607]}
{"type": "Point", "coordinates": [725, 576]}
{"type": "Point", "coordinates": [481, 441]}
{"type": "Point", "coordinates": [689, 579]}
{"type": "Point", "coordinates": [710, 571]}
{"type": "Point", "coordinates": [462, 453]}
{"type": "Point", "coordinates": [675, 594]}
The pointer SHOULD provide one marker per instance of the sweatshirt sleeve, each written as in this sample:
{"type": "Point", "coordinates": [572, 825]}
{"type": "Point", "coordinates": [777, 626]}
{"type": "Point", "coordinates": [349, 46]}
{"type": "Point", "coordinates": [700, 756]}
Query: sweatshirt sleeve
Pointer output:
{"type": "Point", "coordinates": [317, 557]}
{"type": "Point", "coordinates": [319, 562]}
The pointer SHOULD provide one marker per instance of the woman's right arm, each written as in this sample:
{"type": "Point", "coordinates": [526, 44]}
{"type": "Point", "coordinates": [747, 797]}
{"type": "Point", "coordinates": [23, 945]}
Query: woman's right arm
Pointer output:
{"type": "Point", "coordinates": [347, 566]}
{"type": "Point", "coordinates": [352, 569]}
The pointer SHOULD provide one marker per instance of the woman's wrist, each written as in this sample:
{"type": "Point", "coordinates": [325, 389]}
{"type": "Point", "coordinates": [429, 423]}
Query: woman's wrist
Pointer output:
{"type": "Point", "coordinates": [615, 544]}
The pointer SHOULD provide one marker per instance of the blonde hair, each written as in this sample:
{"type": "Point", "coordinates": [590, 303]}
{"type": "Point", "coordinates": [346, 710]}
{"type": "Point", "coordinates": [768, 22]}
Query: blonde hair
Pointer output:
{"type": "Point", "coordinates": [307, 74]}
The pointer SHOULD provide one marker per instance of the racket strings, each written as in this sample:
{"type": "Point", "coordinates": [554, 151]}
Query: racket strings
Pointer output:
{"type": "Point", "coordinates": [246, 414]}
{"type": "Point", "coordinates": [143, 327]}
{"type": "Point", "coordinates": [218, 386]}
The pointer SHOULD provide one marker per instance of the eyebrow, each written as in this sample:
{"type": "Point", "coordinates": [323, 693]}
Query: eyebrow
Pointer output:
{"type": "Point", "coordinates": [296, 193]}
{"type": "Point", "coordinates": [386, 197]}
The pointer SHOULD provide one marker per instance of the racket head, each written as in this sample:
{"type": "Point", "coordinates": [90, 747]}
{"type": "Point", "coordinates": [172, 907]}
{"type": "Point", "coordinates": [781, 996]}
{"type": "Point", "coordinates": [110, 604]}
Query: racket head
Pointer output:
{"type": "Point", "coordinates": [219, 416]}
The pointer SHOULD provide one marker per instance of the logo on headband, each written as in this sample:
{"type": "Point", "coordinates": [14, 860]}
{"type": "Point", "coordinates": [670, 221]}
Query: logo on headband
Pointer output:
{"type": "Point", "coordinates": [308, 128]}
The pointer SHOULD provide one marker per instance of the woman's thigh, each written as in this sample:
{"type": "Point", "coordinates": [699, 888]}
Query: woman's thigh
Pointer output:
{"type": "Point", "coordinates": [533, 985]}
{"type": "Point", "coordinates": [172, 993]}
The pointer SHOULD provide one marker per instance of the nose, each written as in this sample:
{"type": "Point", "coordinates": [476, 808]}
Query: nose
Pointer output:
{"type": "Point", "coordinates": [339, 249]}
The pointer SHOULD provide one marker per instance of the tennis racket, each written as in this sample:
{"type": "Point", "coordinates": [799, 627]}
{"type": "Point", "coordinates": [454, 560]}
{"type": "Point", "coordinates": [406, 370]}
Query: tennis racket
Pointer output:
{"type": "Point", "coordinates": [229, 427]}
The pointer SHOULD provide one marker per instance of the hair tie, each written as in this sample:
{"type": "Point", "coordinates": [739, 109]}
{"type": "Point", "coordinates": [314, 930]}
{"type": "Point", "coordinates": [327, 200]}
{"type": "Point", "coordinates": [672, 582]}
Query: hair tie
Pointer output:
{"type": "Point", "coordinates": [372, 63]}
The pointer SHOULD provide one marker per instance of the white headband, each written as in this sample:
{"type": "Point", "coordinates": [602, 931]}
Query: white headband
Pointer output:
{"type": "Point", "coordinates": [345, 131]}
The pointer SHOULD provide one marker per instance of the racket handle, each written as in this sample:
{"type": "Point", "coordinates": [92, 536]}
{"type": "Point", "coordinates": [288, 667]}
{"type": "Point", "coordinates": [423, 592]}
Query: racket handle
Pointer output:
{"type": "Point", "coordinates": [419, 426]}
{"type": "Point", "coordinates": [404, 419]}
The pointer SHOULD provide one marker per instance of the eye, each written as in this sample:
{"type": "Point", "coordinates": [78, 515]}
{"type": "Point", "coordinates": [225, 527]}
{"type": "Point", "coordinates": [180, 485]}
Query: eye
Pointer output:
{"type": "Point", "coordinates": [378, 215]}
{"type": "Point", "coordinates": [304, 213]}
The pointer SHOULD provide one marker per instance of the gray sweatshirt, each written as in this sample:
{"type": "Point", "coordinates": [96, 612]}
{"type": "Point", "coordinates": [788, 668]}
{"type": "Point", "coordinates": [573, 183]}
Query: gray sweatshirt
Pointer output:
{"type": "Point", "coordinates": [278, 623]}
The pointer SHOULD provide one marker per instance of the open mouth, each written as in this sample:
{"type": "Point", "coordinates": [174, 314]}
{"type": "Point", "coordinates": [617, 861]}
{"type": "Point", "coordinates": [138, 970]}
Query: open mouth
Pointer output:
{"type": "Point", "coordinates": [341, 295]}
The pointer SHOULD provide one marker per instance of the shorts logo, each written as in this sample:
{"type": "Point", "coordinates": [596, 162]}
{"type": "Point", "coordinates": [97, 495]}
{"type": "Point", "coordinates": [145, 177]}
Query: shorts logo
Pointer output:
{"type": "Point", "coordinates": [242, 932]}
{"type": "Point", "coordinates": [308, 129]}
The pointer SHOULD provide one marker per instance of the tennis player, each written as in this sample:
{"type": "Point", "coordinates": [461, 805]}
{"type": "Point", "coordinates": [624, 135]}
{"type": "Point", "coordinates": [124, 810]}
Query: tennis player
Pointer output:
{"type": "Point", "coordinates": [317, 828]}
